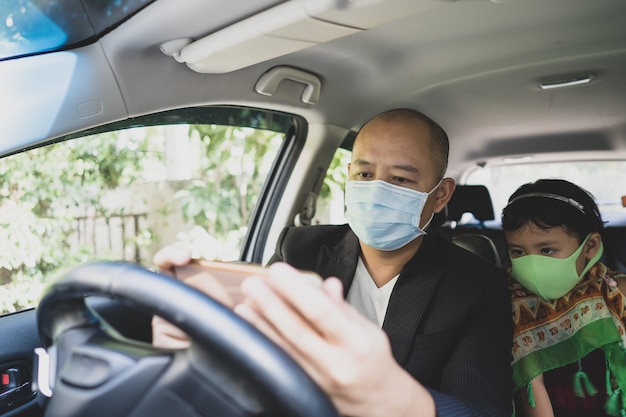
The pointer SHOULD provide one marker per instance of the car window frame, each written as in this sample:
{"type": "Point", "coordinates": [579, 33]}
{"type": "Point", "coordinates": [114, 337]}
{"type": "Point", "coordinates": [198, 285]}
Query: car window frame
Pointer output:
{"type": "Point", "coordinates": [291, 128]}
{"type": "Point", "coordinates": [262, 216]}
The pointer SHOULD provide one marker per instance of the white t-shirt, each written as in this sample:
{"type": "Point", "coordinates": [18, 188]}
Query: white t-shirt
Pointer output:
{"type": "Point", "coordinates": [366, 297]}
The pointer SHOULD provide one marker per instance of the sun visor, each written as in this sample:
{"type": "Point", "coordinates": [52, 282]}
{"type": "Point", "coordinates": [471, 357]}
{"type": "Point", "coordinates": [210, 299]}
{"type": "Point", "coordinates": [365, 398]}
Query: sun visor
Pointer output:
{"type": "Point", "coordinates": [286, 28]}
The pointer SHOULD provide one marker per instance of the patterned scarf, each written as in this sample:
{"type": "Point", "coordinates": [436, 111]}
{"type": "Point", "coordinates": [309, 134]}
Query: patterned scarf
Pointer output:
{"type": "Point", "coordinates": [551, 334]}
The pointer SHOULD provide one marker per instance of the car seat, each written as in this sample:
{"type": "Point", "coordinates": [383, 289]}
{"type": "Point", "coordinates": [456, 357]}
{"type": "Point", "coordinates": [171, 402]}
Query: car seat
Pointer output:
{"type": "Point", "coordinates": [473, 199]}
{"type": "Point", "coordinates": [479, 244]}
{"type": "Point", "coordinates": [476, 200]}
{"type": "Point", "coordinates": [615, 248]}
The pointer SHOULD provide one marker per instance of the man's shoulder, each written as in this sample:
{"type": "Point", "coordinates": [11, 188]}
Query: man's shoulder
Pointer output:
{"type": "Point", "coordinates": [301, 245]}
{"type": "Point", "coordinates": [323, 232]}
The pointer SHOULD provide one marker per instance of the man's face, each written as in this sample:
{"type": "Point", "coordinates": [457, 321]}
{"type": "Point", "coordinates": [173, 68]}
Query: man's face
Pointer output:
{"type": "Point", "coordinates": [395, 152]}
{"type": "Point", "coordinates": [398, 152]}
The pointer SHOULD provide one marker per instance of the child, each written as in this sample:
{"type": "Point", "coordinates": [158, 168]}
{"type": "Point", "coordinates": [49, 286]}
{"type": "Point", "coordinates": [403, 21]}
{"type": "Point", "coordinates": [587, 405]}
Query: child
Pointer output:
{"type": "Point", "coordinates": [569, 310]}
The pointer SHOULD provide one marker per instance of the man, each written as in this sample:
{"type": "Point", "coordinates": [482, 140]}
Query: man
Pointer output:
{"type": "Point", "coordinates": [445, 343]}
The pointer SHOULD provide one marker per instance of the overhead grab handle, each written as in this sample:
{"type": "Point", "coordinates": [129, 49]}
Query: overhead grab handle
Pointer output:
{"type": "Point", "coordinates": [268, 83]}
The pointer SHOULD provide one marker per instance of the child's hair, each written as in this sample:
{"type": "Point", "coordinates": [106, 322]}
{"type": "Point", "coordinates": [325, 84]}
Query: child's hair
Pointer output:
{"type": "Point", "coordinates": [549, 203]}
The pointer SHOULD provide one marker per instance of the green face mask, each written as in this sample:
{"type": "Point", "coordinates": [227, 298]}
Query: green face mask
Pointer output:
{"type": "Point", "coordinates": [551, 278]}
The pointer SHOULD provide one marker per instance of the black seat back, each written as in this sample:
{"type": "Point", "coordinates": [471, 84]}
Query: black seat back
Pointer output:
{"type": "Point", "coordinates": [615, 248]}
{"type": "Point", "coordinates": [479, 244]}
{"type": "Point", "coordinates": [474, 199]}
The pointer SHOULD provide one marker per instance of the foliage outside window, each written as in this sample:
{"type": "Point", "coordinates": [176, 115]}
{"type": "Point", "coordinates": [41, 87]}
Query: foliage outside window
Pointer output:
{"type": "Point", "coordinates": [330, 206]}
{"type": "Point", "coordinates": [123, 195]}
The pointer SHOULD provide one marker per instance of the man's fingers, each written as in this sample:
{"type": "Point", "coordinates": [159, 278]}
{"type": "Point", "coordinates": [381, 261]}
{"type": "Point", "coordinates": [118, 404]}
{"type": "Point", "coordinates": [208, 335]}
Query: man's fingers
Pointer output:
{"type": "Point", "coordinates": [247, 313]}
{"type": "Point", "coordinates": [171, 256]}
{"type": "Point", "coordinates": [206, 283]}
{"type": "Point", "coordinates": [166, 335]}
{"type": "Point", "coordinates": [312, 343]}
{"type": "Point", "coordinates": [311, 318]}
{"type": "Point", "coordinates": [312, 302]}
{"type": "Point", "coordinates": [251, 316]}
{"type": "Point", "coordinates": [334, 289]}
{"type": "Point", "coordinates": [286, 320]}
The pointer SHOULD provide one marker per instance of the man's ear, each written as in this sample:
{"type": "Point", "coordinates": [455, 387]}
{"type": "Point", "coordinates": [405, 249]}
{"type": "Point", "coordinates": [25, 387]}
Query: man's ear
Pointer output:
{"type": "Point", "coordinates": [592, 246]}
{"type": "Point", "coordinates": [444, 193]}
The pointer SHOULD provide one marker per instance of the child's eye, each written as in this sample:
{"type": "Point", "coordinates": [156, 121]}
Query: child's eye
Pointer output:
{"type": "Point", "coordinates": [516, 253]}
{"type": "Point", "coordinates": [547, 251]}
{"type": "Point", "coordinates": [363, 175]}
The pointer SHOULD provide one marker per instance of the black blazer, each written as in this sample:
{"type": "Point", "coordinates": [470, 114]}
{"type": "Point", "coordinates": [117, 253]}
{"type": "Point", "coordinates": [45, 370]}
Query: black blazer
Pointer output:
{"type": "Point", "coordinates": [448, 318]}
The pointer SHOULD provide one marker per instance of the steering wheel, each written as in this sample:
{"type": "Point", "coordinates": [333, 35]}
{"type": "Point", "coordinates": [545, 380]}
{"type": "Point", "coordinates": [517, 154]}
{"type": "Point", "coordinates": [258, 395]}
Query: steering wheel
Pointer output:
{"type": "Point", "coordinates": [230, 370]}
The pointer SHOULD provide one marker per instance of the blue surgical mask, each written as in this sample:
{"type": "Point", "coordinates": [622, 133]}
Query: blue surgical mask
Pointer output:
{"type": "Point", "coordinates": [385, 216]}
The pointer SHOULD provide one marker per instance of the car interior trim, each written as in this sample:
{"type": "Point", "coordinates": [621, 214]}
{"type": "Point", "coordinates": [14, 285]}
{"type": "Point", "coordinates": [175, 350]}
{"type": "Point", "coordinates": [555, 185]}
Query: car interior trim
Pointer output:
{"type": "Point", "coordinates": [43, 379]}
{"type": "Point", "coordinates": [269, 82]}
{"type": "Point", "coordinates": [565, 82]}
{"type": "Point", "coordinates": [286, 28]}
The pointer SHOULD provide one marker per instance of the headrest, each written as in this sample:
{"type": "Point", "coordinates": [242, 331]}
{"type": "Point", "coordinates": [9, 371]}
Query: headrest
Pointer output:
{"type": "Point", "coordinates": [473, 199]}
{"type": "Point", "coordinates": [480, 245]}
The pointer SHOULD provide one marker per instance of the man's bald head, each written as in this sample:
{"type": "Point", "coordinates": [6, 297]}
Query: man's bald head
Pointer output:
{"type": "Point", "coordinates": [438, 138]}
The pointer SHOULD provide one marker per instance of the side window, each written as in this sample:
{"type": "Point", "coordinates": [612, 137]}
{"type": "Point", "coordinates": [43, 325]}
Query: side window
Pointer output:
{"type": "Point", "coordinates": [330, 204]}
{"type": "Point", "coordinates": [125, 193]}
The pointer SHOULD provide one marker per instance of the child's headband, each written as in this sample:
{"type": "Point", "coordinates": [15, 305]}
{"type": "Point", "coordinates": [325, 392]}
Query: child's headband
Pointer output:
{"type": "Point", "coordinates": [567, 200]}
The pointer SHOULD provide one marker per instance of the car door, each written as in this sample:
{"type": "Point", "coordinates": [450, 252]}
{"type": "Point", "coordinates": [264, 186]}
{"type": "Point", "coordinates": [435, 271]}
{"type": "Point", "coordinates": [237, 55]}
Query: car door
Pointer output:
{"type": "Point", "coordinates": [207, 177]}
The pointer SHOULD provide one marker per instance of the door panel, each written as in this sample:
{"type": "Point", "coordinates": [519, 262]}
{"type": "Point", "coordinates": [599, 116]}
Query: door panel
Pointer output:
{"type": "Point", "coordinates": [18, 339]}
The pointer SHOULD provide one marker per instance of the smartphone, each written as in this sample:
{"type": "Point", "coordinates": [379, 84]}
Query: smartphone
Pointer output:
{"type": "Point", "coordinates": [229, 275]}
{"type": "Point", "coordinates": [226, 277]}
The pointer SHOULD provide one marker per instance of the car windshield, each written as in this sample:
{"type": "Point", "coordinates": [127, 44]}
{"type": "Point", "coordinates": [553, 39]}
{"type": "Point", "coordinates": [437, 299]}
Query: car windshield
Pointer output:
{"type": "Point", "coordinates": [36, 26]}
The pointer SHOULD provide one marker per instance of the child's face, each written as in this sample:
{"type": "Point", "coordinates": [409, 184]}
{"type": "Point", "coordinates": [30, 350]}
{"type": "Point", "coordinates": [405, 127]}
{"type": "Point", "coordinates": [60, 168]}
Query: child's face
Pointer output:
{"type": "Point", "coordinates": [554, 242]}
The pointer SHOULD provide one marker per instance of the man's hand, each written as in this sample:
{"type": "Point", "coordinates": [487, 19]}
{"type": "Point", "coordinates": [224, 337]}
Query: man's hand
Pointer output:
{"type": "Point", "coordinates": [171, 257]}
{"type": "Point", "coordinates": [345, 353]}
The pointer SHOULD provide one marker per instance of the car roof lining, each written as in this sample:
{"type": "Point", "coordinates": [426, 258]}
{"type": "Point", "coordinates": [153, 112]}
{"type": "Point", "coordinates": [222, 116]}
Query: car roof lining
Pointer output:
{"type": "Point", "coordinates": [458, 61]}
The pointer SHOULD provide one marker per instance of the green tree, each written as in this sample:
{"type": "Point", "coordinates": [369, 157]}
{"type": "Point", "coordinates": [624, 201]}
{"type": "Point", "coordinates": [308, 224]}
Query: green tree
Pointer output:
{"type": "Point", "coordinates": [43, 191]}
{"type": "Point", "coordinates": [235, 162]}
